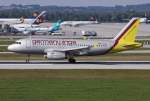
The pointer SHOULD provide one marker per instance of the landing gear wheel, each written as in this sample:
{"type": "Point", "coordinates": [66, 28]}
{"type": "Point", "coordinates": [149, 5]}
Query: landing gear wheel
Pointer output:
{"type": "Point", "coordinates": [28, 58]}
{"type": "Point", "coordinates": [72, 60]}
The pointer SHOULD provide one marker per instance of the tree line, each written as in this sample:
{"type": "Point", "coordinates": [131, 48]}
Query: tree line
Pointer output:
{"type": "Point", "coordinates": [102, 14]}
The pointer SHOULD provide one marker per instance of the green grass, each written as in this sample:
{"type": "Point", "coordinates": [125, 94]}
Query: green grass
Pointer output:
{"type": "Point", "coordinates": [6, 42]}
{"type": "Point", "coordinates": [118, 57]}
{"type": "Point", "coordinates": [9, 38]}
{"type": "Point", "coordinates": [109, 57]}
{"type": "Point", "coordinates": [14, 56]}
{"type": "Point", "coordinates": [74, 85]}
{"type": "Point", "coordinates": [3, 48]}
{"type": "Point", "coordinates": [143, 49]}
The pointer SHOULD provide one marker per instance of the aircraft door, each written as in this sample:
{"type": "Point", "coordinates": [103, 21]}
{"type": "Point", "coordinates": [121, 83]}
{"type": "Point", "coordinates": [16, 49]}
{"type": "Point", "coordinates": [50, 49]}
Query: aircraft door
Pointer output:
{"type": "Point", "coordinates": [28, 43]}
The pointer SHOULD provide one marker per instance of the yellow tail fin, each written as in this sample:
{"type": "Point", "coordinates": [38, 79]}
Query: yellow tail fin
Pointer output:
{"type": "Point", "coordinates": [128, 33]}
{"type": "Point", "coordinates": [126, 38]}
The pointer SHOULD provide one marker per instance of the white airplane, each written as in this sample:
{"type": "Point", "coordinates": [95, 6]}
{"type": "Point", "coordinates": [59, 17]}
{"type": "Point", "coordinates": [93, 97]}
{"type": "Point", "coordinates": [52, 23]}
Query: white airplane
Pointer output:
{"type": "Point", "coordinates": [78, 23]}
{"type": "Point", "coordinates": [55, 49]}
{"type": "Point", "coordinates": [32, 28]}
{"type": "Point", "coordinates": [21, 27]}
{"type": "Point", "coordinates": [11, 21]}
{"type": "Point", "coordinates": [144, 20]}
{"type": "Point", "coordinates": [14, 20]}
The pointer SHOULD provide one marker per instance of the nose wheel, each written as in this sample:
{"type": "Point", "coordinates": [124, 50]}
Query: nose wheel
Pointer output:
{"type": "Point", "coordinates": [28, 58]}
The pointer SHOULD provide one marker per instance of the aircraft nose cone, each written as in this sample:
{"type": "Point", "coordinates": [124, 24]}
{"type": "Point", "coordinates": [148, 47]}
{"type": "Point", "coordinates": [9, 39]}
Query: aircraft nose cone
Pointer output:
{"type": "Point", "coordinates": [10, 48]}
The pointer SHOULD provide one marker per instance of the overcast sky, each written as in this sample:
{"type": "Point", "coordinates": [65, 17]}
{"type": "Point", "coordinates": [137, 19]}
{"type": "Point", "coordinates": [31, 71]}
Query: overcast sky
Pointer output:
{"type": "Point", "coordinates": [75, 2]}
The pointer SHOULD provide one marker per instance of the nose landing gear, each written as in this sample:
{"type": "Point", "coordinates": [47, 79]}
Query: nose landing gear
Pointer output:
{"type": "Point", "coordinates": [28, 58]}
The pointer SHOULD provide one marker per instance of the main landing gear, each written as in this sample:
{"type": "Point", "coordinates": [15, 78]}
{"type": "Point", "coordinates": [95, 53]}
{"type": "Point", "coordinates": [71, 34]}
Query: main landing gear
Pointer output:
{"type": "Point", "coordinates": [71, 58]}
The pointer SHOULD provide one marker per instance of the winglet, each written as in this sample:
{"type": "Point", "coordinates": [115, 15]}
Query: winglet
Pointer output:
{"type": "Point", "coordinates": [56, 26]}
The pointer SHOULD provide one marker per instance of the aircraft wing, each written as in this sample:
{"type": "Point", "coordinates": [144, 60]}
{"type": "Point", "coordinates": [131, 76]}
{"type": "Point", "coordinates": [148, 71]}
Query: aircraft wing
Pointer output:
{"type": "Point", "coordinates": [9, 22]}
{"type": "Point", "coordinates": [78, 50]}
{"type": "Point", "coordinates": [66, 24]}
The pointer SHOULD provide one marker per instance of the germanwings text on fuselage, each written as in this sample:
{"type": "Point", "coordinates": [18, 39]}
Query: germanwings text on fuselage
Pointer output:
{"type": "Point", "coordinates": [53, 42]}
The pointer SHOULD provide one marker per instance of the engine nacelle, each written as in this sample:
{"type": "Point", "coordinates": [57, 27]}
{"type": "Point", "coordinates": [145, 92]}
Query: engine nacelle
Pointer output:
{"type": "Point", "coordinates": [56, 55]}
{"type": "Point", "coordinates": [26, 32]}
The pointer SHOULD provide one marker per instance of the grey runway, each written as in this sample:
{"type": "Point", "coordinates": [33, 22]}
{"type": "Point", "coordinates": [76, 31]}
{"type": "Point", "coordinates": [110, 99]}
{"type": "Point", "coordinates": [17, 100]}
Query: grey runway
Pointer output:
{"type": "Point", "coordinates": [135, 65]}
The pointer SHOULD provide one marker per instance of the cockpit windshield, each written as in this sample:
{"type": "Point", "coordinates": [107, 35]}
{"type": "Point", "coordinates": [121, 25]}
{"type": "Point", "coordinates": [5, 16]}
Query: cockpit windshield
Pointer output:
{"type": "Point", "coordinates": [18, 43]}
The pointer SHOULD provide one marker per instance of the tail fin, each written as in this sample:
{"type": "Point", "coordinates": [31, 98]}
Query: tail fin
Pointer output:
{"type": "Point", "coordinates": [58, 23]}
{"type": "Point", "coordinates": [56, 26]}
{"type": "Point", "coordinates": [125, 40]}
{"type": "Point", "coordinates": [39, 19]}
{"type": "Point", "coordinates": [128, 33]}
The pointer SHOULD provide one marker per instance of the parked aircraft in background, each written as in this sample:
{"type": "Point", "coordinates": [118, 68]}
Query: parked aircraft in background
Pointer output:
{"type": "Point", "coordinates": [21, 28]}
{"type": "Point", "coordinates": [69, 48]}
{"type": "Point", "coordinates": [11, 21]}
{"type": "Point", "coordinates": [78, 23]}
{"type": "Point", "coordinates": [34, 28]}
{"type": "Point", "coordinates": [142, 20]}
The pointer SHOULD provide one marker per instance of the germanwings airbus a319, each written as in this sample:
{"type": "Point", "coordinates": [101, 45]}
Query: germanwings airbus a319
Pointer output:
{"type": "Point", "coordinates": [55, 49]}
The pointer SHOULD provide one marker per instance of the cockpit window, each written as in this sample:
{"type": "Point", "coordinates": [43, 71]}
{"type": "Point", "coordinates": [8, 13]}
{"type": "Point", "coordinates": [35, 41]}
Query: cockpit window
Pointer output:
{"type": "Point", "coordinates": [18, 43]}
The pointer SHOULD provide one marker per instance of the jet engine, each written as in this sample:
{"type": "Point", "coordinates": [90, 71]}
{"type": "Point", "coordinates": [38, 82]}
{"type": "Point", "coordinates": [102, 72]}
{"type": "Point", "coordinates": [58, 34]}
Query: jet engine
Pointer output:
{"type": "Point", "coordinates": [26, 32]}
{"type": "Point", "coordinates": [56, 55]}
